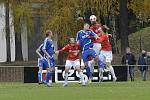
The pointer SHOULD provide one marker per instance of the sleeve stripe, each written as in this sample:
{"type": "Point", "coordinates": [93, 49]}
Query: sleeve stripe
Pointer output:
{"type": "Point", "coordinates": [44, 45]}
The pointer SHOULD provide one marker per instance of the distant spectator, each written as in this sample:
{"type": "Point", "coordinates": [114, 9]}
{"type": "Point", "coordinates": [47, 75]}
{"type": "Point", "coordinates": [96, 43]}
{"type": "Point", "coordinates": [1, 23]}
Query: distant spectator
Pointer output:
{"type": "Point", "coordinates": [129, 60]}
{"type": "Point", "coordinates": [142, 61]}
{"type": "Point", "coordinates": [148, 58]}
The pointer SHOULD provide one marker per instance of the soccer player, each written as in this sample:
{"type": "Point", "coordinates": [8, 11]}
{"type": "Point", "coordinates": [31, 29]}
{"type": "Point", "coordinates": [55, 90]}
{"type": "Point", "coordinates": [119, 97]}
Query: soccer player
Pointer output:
{"type": "Point", "coordinates": [106, 56]}
{"type": "Point", "coordinates": [97, 29]}
{"type": "Point", "coordinates": [84, 38]}
{"type": "Point", "coordinates": [48, 49]}
{"type": "Point", "coordinates": [42, 63]}
{"type": "Point", "coordinates": [72, 49]}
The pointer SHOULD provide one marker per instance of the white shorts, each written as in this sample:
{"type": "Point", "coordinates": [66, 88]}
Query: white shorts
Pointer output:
{"type": "Point", "coordinates": [74, 64]}
{"type": "Point", "coordinates": [90, 63]}
{"type": "Point", "coordinates": [106, 56]}
{"type": "Point", "coordinates": [97, 48]}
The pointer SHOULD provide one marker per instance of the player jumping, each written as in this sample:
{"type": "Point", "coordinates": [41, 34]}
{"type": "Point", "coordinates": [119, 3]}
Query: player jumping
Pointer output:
{"type": "Point", "coordinates": [106, 56]}
{"type": "Point", "coordinates": [84, 38]}
{"type": "Point", "coordinates": [97, 28]}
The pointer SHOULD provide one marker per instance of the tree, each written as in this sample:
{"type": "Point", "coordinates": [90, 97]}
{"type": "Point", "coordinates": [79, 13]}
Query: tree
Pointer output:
{"type": "Point", "coordinates": [7, 30]}
{"type": "Point", "coordinates": [140, 7]}
{"type": "Point", "coordinates": [123, 25]}
{"type": "Point", "coordinates": [18, 48]}
{"type": "Point", "coordinates": [61, 17]}
{"type": "Point", "coordinates": [21, 15]}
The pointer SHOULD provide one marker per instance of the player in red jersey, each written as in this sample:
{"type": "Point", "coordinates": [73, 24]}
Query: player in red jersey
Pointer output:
{"type": "Point", "coordinates": [98, 29]}
{"type": "Point", "coordinates": [106, 55]}
{"type": "Point", "coordinates": [72, 49]}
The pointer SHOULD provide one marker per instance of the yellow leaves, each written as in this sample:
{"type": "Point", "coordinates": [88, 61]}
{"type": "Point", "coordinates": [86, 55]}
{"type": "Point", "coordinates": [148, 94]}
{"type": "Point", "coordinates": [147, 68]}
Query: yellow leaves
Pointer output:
{"type": "Point", "coordinates": [147, 6]}
{"type": "Point", "coordinates": [62, 14]}
{"type": "Point", "coordinates": [141, 8]}
{"type": "Point", "coordinates": [21, 10]}
{"type": "Point", "coordinates": [62, 18]}
{"type": "Point", "coordinates": [39, 1]}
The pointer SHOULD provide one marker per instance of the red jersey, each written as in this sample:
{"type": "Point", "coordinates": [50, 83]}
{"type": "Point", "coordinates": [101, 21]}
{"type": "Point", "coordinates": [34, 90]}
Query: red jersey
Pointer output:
{"type": "Point", "coordinates": [104, 39]}
{"type": "Point", "coordinates": [73, 51]}
{"type": "Point", "coordinates": [96, 28]}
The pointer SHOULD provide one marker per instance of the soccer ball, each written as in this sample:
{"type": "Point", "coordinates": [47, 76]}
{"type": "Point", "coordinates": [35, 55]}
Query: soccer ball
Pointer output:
{"type": "Point", "coordinates": [93, 18]}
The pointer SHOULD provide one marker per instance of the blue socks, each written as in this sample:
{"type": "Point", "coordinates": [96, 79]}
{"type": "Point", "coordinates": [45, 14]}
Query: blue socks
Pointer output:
{"type": "Point", "coordinates": [48, 76]}
{"type": "Point", "coordinates": [88, 71]}
{"type": "Point", "coordinates": [40, 76]}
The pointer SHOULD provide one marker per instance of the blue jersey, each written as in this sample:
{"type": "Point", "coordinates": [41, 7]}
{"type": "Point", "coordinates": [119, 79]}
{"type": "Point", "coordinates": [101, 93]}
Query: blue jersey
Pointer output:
{"type": "Point", "coordinates": [48, 46]}
{"type": "Point", "coordinates": [40, 50]}
{"type": "Point", "coordinates": [42, 62]}
{"type": "Point", "coordinates": [84, 38]}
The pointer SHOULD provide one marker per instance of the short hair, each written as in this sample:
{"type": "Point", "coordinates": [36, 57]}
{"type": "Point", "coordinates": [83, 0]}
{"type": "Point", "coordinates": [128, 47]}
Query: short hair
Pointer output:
{"type": "Point", "coordinates": [86, 24]}
{"type": "Point", "coordinates": [72, 40]}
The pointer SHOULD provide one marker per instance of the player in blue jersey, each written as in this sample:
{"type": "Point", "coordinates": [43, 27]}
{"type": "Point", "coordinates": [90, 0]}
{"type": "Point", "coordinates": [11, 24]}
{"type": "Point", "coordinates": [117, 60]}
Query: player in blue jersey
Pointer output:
{"type": "Point", "coordinates": [48, 49]}
{"type": "Point", "coordinates": [84, 37]}
{"type": "Point", "coordinates": [42, 63]}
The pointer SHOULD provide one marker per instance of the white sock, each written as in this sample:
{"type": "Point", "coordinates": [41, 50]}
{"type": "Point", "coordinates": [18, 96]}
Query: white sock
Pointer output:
{"type": "Point", "coordinates": [100, 73]}
{"type": "Point", "coordinates": [81, 75]}
{"type": "Point", "coordinates": [66, 77]}
{"type": "Point", "coordinates": [112, 71]}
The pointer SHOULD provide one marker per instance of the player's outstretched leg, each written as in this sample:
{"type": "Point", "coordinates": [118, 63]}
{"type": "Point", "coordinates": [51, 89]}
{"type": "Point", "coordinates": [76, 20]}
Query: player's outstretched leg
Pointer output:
{"type": "Point", "coordinates": [91, 66]}
{"type": "Point", "coordinates": [81, 75]}
{"type": "Point", "coordinates": [88, 71]}
{"type": "Point", "coordinates": [111, 69]}
{"type": "Point", "coordinates": [66, 76]}
{"type": "Point", "coordinates": [101, 66]}
{"type": "Point", "coordinates": [101, 70]}
{"type": "Point", "coordinates": [66, 79]}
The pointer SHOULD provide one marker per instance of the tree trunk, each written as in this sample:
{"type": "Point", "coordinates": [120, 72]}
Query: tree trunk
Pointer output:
{"type": "Point", "coordinates": [24, 39]}
{"type": "Point", "coordinates": [7, 31]}
{"type": "Point", "coordinates": [18, 46]}
{"type": "Point", "coordinates": [123, 25]}
{"type": "Point", "coordinates": [112, 25]}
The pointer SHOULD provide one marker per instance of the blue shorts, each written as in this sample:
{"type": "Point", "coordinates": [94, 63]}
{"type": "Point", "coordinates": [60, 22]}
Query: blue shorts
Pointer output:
{"type": "Point", "coordinates": [51, 62]}
{"type": "Point", "coordinates": [88, 53]}
{"type": "Point", "coordinates": [42, 62]}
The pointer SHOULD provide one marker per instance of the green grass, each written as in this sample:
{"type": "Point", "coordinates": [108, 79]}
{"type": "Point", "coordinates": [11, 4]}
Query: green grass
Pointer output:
{"type": "Point", "coordinates": [105, 91]}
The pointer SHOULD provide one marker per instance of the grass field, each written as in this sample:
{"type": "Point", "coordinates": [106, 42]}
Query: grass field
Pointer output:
{"type": "Point", "coordinates": [104, 91]}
